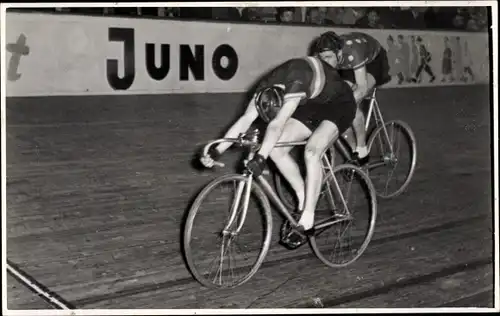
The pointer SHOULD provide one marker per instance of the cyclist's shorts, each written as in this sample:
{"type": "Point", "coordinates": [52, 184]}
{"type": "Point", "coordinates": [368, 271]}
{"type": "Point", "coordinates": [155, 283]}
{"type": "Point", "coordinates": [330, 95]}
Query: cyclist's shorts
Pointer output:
{"type": "Point", "coordinates": [378, 68]}
{"type": "Point", "coordinates": [341, 111]}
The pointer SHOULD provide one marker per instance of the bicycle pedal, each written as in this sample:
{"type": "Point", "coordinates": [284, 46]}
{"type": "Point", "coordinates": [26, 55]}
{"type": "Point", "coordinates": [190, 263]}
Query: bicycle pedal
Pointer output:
{"type": "Point", "coordinates": [364, 161]}
{"type": "Point", "coordinates": [294, 240]}
{"type": "Point", "coordinates": [360, 162]}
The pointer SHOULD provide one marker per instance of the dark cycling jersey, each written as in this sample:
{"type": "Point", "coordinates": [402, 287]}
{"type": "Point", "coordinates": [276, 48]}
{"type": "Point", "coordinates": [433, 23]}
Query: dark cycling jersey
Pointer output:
{"type": "Point", "coordinates": [305, 77]}
{"type": "Point", "coordinates": [359, 49]}
{"type": "Point", "coordinates": [325, 96]}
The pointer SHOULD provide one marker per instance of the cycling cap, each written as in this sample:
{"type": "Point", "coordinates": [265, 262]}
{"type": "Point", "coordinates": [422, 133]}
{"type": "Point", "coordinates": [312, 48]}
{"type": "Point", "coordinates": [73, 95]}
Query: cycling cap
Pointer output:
{"type": "Point", "coordinates": [328, 41]}
{"type": "Point", "coordinates": [269, 101]}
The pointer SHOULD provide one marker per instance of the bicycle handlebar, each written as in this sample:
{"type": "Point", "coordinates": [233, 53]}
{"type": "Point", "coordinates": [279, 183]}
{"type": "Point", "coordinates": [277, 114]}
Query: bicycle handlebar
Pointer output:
{"type": "Point", "coordinates": [246, 140]}
{"type": "Point", "coordinates": [241, 140]}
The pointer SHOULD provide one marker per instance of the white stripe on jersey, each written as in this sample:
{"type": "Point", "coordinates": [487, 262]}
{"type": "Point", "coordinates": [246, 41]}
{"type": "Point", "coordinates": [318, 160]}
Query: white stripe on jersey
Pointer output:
{"type": "Point", "coordinates": [318, 81]}
{"type": "Point", "coordinates": [295, 95]}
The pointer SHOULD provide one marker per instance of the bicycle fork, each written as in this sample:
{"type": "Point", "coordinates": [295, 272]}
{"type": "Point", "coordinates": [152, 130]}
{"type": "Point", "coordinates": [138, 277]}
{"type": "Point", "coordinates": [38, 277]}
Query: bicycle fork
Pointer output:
{"type": "Point", "coordinates": [244, 188]}
{"type": "Point", "coordinates": [377, 114]}
{"type": "Point", "coordinates": [228, 235]}
{"type": "Point", "coordinates": [337, 186]}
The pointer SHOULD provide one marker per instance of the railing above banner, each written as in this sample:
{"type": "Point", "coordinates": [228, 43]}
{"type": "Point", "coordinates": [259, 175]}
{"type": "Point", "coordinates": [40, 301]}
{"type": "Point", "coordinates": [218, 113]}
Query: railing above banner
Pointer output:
{"type": "Point", "coordinates": [471, 18]}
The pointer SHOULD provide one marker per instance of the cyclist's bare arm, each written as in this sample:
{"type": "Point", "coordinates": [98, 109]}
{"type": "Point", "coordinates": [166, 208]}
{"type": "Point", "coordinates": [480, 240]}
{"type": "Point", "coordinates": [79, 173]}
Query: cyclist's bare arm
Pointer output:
{"type": "Point", "coordinates": [361, 88]}
{"type": "Point", "coordinates": [351, 84]}
{"type": "Point", "coordinates": [241, 125]}
{"type": "Point", "coordinates": [276, 126]}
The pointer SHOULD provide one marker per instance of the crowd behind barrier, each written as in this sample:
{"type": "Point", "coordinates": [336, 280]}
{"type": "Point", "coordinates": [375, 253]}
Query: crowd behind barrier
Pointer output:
{"type": "Point", "coordinates": [410, 18]}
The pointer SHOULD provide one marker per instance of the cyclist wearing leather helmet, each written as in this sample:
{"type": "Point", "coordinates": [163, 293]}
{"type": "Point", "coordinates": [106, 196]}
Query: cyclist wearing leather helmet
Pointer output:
{"type": "Point", "coordinates": [301, 99]}
{"type": "Point", "coordinates": [362, 62]}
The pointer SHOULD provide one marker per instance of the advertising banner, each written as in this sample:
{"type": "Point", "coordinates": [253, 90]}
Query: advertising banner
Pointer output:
{"type": "Point", "coordinates": [81, 55]}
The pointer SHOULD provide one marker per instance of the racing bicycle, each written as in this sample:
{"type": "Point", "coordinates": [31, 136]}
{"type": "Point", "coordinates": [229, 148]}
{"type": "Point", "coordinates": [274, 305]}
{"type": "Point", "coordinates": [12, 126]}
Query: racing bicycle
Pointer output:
{"type": "Point", "coordinates": [228, 230]}
{"type": "Point", "coordinates": [393, 155]}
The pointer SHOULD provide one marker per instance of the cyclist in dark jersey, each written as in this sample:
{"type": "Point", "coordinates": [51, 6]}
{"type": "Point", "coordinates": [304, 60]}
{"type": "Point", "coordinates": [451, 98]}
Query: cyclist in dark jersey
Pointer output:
{"type": "Point", "coordinates": [362, 62]}
{"type": "Point", "coordinates": [303, 98]}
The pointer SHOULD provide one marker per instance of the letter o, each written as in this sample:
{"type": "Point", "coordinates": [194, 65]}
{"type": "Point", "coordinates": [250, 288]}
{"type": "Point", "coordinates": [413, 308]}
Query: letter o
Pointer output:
{"type": "Point", "coordinates": [225, 73]}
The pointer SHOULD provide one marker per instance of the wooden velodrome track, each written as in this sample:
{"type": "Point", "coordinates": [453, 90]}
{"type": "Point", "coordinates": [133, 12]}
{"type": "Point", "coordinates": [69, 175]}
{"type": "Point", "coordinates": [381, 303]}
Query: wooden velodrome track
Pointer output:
{"type": "Point", "coordinates": [98, 187]}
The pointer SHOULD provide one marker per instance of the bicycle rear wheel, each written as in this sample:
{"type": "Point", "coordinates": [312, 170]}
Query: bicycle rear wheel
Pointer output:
{"type": "Point", "coordinates": [344, 230]}
{"type": "Point", "coordinates": [210, 248]}
{"type": "Point", "coordinates": [392, 167]}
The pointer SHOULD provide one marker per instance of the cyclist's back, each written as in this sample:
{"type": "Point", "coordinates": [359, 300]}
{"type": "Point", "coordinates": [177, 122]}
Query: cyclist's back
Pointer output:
{"type": "Point", "coordinates": [362, 50]}
{"type": "Point", "coordinates": [324, 94]}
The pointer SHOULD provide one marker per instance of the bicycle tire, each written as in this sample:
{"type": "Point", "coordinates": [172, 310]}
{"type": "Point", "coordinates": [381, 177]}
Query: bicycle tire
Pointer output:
{"type": "Point", "coordinates": [409, 136]}
{"type": "Point", "coordinates": [266, 209]}
{"type": "Point", "coordinates": [372, 197]}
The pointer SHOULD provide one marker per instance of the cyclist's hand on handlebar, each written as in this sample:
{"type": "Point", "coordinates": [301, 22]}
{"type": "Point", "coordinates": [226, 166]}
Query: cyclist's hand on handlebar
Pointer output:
{"type": "Point", "coordinates": [256, 165]}
{"type": "Point", "coordinates": [209, 160]}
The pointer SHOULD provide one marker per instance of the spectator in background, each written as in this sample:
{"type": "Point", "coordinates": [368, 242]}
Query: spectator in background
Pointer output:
{"type": "Point", "coordinates": [312, 16]}
{"type": "Point", "coordinates": [285, 14]}
{"type": "Point", "coordinates": [472, 25]}
{"type": "Point", "coordinates": [431, 17]}
{"type": "Point", "coordinates": [172, 12]}
{"type": "Point", "coordinates": [445, 17]}
{"type": "Point", "coordinates": [352, 15]}
{"type": "Point", "coordinates": [418, 18]}
{"type": "Point", "coordinates": [477, 20]}
{"type": "Point", "coordinates": [124, 11]}
{"type": "Point", "coordinates": [62, 10]}
{"type": "Point", "coordinates": [148, 11]}
{"type": "Point", "coordinates": [459, 21]}
{"type": "Point", "coordinates": [87, 10]}
{"type": "Point", "coordinates": [226, 14]}
{"type": "Point", "coordinates": [259, 14]}
{"type": "Point", "coordinates": [317, 16]}
{"type": "Point", "coordinates": [249, 14]}
{"type": "Point", "coordinates": [481, 18]}
{"type": "Point", "coordinates": [411, 18]}
{"type": "Point", "coordinates": [323, 11]}
{"type": "Point", "coordinates": [370, 20]}
{"type": "Point", "coordinates": [109, 11]}
{"type": "Point", "coordinates": [193, 13]}
{"type": "Point", "coordinates": [388, 16]}
{"type": "Point", "coordinates": [336, 15]}
{"type": "Point", "coordinates": [439, 17]}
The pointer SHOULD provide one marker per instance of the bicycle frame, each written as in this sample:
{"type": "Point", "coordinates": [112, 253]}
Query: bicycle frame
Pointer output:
{"type": "Point", "coordinates": [374, 110]}
{"type": "Point", "coordinates": [273, 196]}
{"type": "Point", "coordinates": [267, 188]}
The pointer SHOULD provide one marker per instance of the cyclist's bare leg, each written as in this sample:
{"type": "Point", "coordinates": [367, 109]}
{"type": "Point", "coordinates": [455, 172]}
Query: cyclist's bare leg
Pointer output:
{"type": "Point", "coordinates": [360, 120]}
{"type": "Point", "coordinates": [350, 134]}
{"type": "Point", "coordinates": [350, 137]}
{"type": "Point", "coordinates": [320, 140]}
{"type": "Point", "coordinates": [359, 129]}
{"type": "Point", "coordinates": [294, 131]}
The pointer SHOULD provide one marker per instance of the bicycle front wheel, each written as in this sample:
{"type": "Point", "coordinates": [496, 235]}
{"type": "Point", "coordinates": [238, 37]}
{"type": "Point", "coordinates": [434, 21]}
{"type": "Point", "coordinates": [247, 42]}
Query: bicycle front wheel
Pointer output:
{"type": "Point", "coordinates": [223, 245]}
{"type": "Point", "coordinates": [345, 216]}
{"type": "Point", "coordinates": [393, 157]}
